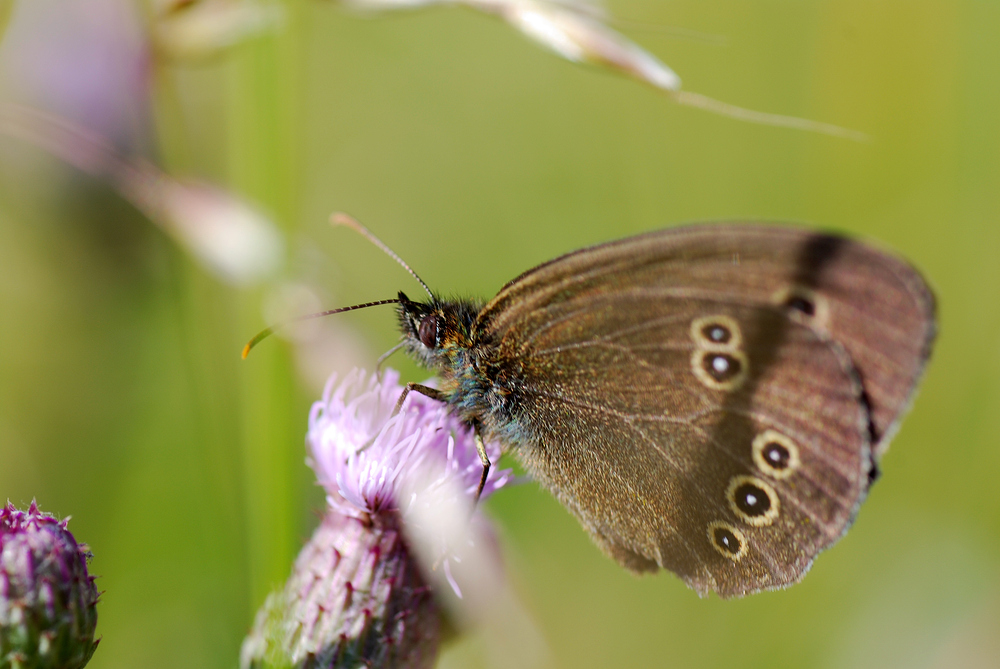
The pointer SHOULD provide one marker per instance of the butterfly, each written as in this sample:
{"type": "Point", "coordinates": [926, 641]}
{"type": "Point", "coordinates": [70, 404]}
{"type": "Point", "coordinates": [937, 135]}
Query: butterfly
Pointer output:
{"type": "Point", "coordinates": [711, 400]}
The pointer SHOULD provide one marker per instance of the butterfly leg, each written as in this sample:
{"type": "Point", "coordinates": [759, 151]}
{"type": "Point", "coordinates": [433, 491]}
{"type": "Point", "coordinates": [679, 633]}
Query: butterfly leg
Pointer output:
{"type": "Point", "coordinates": [485, 459]}
{"type": "Point", "coordinates": [432, 393]}
{"type": "Point", "coordinates": [436, 394]}
{"type": "Point", "coordinates": [385, 356]}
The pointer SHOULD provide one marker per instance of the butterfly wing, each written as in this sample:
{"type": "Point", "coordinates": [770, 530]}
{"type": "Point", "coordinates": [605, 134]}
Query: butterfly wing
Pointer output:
{"type": "Point", "coordinates": [709, 400]}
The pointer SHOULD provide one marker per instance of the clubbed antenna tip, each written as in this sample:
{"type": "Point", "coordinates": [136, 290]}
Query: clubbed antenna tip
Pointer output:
{"type": "Point", "coordinates": [263, 334]}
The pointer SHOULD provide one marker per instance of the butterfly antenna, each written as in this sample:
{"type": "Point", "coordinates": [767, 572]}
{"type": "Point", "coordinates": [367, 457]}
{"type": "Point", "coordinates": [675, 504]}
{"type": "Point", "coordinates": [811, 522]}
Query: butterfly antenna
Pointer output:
{"type": "Point", "coordinates": [343, 219]}
{"type": "Point", "coordinates": [267, 332]}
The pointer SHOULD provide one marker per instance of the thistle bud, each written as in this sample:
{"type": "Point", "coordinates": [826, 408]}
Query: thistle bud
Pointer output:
{"type": "Point", "coordinates": [356, 597]}
{"type": "Point", "coordinates": [47, 599]}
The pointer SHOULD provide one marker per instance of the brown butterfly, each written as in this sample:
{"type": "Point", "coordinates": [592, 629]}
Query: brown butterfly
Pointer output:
{"type": "Point", "coordinates": [712, 400]}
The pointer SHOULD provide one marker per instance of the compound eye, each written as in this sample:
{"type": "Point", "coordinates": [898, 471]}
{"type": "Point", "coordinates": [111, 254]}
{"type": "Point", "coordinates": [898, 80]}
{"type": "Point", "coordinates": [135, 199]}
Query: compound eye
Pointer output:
{"type": "Point", "coordinates": [428, 331]}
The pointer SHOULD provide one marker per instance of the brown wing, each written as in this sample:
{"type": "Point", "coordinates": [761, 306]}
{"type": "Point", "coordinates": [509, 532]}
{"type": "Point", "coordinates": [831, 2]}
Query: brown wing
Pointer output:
{"type": "Point", "coordinates": [703, 399]}
{"type": "Point", "coordinates": [875, 305]}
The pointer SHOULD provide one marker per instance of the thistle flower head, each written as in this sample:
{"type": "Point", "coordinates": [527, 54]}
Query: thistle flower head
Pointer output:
{"type": "Point", "coordinates": [363, 455]}
{"type": "Point", "coordinates": [399, 489]}
{"type": "Point", "coordinates": [47, 599]}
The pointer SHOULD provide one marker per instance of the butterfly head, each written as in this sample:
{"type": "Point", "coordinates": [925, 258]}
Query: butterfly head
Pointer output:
{"type": "Point", "coordinates": [436, 334]}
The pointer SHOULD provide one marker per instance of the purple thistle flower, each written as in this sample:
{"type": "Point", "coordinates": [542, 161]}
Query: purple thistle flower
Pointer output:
{"type": "Point", "coordinates": [400, 488]}
{"type": "Point", "coordinates": [362, 454]}
{"type": "Point", "coordinates": [47, 599]}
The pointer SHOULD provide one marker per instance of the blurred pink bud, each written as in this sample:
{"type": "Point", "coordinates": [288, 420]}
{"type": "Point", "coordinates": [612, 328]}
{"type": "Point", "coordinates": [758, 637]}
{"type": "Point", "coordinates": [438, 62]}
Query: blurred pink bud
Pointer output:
{"type": "Point", "coordinates": [85, 60]}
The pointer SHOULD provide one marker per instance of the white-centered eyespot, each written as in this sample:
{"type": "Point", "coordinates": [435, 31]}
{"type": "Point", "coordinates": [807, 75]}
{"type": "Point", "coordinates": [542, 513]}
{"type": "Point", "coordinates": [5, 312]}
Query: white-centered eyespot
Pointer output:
{"type": "Point", "coordinates": [775, 454]}
{"type": "Point", "coordinates": [728, 540]}
{"type": "Point", "coordinates": [716, 332]}
{"type": "Point", "coordinates": [804, 305]}
{"type": "Point", "coordinates": [753, 500]}
{"type": "Point", "coordinates": [719, 370]}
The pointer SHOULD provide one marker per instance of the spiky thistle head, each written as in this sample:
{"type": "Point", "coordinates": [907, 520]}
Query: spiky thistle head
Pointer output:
{"type": "Point", "coordinates": [47, 599]}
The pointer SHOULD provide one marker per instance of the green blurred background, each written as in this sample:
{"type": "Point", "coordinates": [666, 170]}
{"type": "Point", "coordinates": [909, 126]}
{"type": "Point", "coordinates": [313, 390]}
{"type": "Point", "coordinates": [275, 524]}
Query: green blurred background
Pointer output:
{"type": "Point", "coordinates": [476, 155]}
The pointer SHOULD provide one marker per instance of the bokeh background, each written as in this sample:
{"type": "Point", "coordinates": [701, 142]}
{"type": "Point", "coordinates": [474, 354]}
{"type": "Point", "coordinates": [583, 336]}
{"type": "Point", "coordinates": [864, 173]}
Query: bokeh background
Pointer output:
{"type": "Point", "coordinates": [476, 155]}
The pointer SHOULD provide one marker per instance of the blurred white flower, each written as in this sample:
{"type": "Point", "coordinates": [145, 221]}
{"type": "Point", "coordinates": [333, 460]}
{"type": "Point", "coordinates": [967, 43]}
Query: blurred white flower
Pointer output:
{"type": "Point", "coordinates": [379, 5]}
{"type": "Point", "coordinates": [227, 234]}
{"type": "Point", "coordinates": [573, 29]}
{"type": "Point", "coordinates": [470, 581]}
{"type": "Point", "coordinates": [194, 29]}
{"type": "Point", "coordinates": [577, 31]}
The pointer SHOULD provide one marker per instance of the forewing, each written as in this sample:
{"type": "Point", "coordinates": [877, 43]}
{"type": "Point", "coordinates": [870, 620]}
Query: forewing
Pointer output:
{"type": "Point", "coordinates": [873, 304]}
